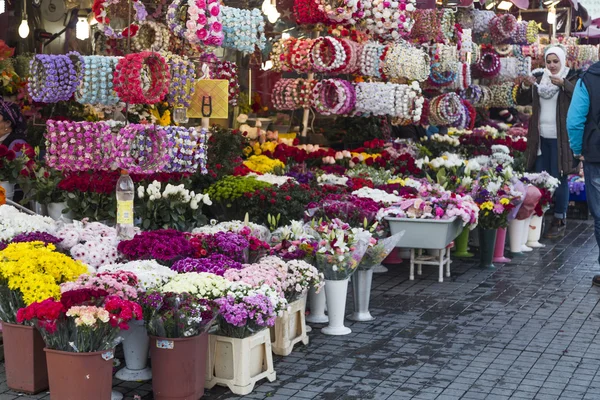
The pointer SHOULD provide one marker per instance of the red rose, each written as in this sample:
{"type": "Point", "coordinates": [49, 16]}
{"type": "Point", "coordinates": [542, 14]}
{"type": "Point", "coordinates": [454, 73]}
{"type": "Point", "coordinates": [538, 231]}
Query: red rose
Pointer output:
{"type": "Point", "coordinates": [11, 155]}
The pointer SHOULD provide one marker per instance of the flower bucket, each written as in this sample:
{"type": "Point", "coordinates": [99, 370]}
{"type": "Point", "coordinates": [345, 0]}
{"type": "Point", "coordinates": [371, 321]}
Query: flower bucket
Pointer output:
{"type": "Point", "coordinates": [24, 358]}
{"type": "Point", "coordinates": [239, 363]}
{"type": "Point", "coordinates": [361, 285]}
{"type": "Point", "coordinates": [55, 211]}
{"type": "Point", "coordinates": [535, 232]}
{"type": "Point", "coordinates": [499, 249]}
{"type": "Point", "coordinates": [9, 188]}
{"type": "Point", "coordinates": [462, 244]}
{"type": "Point", "coordinates": [290, 328]}
{"type": "Point", "coordinates": [487, 242]}
{"type": "Point", "coordinates": [178, 367]}
{"type": "Point", "coordinates": [336, 307]}
{"type": "Point", "coordinates": [135, 349]}
{"type": "Point", "coordinates": [317, 306]}
{"type": "Point", "coordinates": [515, 236]}
{"type": "Point", "coordinates": [77, 376]}
{"type": "Point", "coordinates": [525, 236]}
{"type": "Point", "coordinates": [439, 233]}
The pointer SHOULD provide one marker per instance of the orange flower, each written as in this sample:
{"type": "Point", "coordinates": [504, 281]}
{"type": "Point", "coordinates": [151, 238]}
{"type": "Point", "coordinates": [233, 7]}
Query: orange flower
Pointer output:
{"type": "Point", "coordinates": [2, 196]}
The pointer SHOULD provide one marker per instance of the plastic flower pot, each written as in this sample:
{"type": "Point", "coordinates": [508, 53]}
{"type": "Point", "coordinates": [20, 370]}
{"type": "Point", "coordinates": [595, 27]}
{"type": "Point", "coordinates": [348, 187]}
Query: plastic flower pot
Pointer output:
{"type": "Point", "coordinates": [462, 244]}
{"type": "Point", "coordinates": [525, 235]}
{"type": "Point", "coordinates": [24, 358]}
{"type": "Point", "coordinates": [487, 242]}
{"type": "Point", "coordinates": [439, 233]}
{"type": "Point", "coordinates": [135, 349]}
{"type": "Point", "coordinates": [178, 367]}
{"type": "Point", "coordinates": [76, 376]}
{"type": "Point", "coordinates": [336, 307]}
{"type": "Point", "coordinates": [535, 232]}
{"type": "Point", "coordinates": [499, 249]}
{"type": "Point", "coordinates": [361, 285]}
{"type": "Point", "coordinates": [9, 188]}
{"type": "Point", "coordinates": [317, 307]}
{"type": "Point", "coordinates": [515, 233]}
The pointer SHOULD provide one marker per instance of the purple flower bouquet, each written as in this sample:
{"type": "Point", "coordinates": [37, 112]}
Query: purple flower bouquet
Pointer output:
{"type": "Point", "coordinates": [215, 264]}
{"type": "Point", "coordinates": [165, 246]}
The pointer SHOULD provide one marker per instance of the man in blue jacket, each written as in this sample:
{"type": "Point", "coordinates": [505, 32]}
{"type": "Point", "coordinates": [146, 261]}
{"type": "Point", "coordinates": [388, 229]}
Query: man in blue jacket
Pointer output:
{"type": "Point", "coordinates": [584, 139]}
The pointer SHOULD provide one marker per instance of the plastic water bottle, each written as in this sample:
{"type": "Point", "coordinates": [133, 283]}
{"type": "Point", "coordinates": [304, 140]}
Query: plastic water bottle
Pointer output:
{"type": "Point", "coordinates": [125, 195]}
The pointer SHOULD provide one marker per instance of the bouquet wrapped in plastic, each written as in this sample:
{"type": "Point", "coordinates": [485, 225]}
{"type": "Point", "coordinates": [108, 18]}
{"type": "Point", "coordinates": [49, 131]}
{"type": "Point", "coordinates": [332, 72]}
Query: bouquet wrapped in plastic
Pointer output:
{"type": "Point", "coordinates": [376, 253]}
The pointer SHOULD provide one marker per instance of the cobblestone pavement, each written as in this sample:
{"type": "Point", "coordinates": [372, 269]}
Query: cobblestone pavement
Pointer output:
{"type": "Point", "coordinates": [527, 330]}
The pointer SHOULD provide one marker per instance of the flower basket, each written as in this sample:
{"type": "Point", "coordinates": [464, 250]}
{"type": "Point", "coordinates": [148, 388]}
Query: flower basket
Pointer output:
{"type": "Point", "coordinates": [290, 328]}
{"type": "Point", "coordinates": [178, 367]}
{"type": "Point", "coordinates": [24, 358]}
{"type": "Point", "coordinates": [79, 375]}
{"type": "Point", "coordinates": [439, 233]}
{"type": "Point", "coordinates": [239, 363]}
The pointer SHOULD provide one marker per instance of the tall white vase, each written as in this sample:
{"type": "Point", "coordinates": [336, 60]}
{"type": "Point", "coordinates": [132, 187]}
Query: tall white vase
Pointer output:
{"type": "Point", "coordinates": [515, 233]}
{"type": "Point", "coordinates": [535, 232]}
{"type": "Point", "coordinates": [9, 188]}
{"type": "Point", "coordinates": [361, 285]}
{"type": "Point", "coordinates": [317, 307]}
{"type": "Point", "coordinates": [135, 349]}
{"type": "Point", "coordinates": [525, 235]}
{"type": "Point", "coordinates": [55, 211]}
{"type": "Point", "coordinates": [336, 307]}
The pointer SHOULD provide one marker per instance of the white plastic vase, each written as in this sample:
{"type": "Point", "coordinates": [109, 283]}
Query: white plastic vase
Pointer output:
{"type": "Point", "coordinates": [116, 395]}
{"type": "Point", "coordinates": [515, 232]}
{"type": "Point", "coordinates": [535, 232]}
{"type": "Point", "coordinates": [336, 307]}
{"type": "Point", "coordinates": [361, 285]}
{"type": "Point", "coordinates": [135, 349]}
{"type": "Point", "coordinates": [9, 188]}
{"type": "Point", "coordinates": [55, 211]}
{"type": "Point", "coordinates": [525, 235]}
{"type": "Point", "coordinates": [317, 307]}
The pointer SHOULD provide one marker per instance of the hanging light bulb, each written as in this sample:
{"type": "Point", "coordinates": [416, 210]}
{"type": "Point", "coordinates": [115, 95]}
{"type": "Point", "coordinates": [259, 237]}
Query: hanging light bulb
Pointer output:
{"type": "Point", "coordinates": [2, 6]}
{"type": "Point", "coordinates": [82, 29]}
{"type": "Point", "coordinates": [267, 65]}
{"type": "Point", "coordinates": [273, 15]}
{"type": "Point", "coordinates": [266, 6]}
{"type": "Point", "coordinates": [24, 28]}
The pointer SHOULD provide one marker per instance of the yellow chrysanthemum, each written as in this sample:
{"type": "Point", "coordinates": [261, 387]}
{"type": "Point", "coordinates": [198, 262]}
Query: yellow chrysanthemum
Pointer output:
{"type": "Point", "coordinates": [504, 201]}
{"type": "Point", "coordinates": [488, 205]}
{"type": "Point", "coordinates": [397, 180]}
{"type": "Point", "coordinates": [263, 164]}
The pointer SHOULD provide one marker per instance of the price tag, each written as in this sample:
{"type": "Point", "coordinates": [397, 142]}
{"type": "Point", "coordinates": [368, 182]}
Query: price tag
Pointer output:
{"type": "Point", "coordinates": [108, 355]}
{"type": "Point", "coordinates": [165, 344]}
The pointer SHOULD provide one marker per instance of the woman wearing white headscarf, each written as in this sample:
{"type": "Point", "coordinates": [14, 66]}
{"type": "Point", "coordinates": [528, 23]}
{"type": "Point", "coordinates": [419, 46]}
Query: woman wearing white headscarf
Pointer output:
{"type": "Point", "coordinates": [549, 93]}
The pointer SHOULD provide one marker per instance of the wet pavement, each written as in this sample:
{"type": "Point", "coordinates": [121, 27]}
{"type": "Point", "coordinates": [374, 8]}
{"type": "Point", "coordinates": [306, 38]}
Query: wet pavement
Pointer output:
{"type": "Point", "coordinates": [526, 330]}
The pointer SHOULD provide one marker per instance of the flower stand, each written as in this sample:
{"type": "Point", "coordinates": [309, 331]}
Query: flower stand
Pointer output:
{"type": "Point", "coordinates": [317, 307]}
{"type": "Point", "coordinates": [361, 285]}
{"type": "Point", "coordinates": [290, 328]}
{"type": "Point", "coordinates": [24, 359]}
{"type": "Point", "coordinates": [487, 242]}
{"type": "Point", "coordinates": [80, 375]}
{"type": "Point", "coordinates": [336, 294]}
{"type": "Point", "coordinates": [515, 233]}
{"type": "Point", "coordinates": [462, 244]}
{"type": "Point", "coordinates": [439, 258]}
{"type": "Point", "coordinates": [525, 235]}
{"type": "Point", "coordinates": [499, 248]}
{"type": "Point", "coordinates": [178, 367]}
{"type": "Point", "coordinates": [135, 348]}
{"type": "Point", "coordinates": [535, 232]}
{"type": "Point", "coordinates": [239, 363]}
{"type": "Point", "coordinates": [9, 188]}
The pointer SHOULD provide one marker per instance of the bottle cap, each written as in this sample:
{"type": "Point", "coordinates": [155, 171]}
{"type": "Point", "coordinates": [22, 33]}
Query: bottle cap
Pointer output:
{"type": "Point", "coordinates": [124, 172]}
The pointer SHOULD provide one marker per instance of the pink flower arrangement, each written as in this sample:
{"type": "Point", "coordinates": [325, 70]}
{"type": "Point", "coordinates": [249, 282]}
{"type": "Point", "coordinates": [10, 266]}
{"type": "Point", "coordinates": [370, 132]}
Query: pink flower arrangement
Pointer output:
{"type": "Point", "coordinates": [121, 284]}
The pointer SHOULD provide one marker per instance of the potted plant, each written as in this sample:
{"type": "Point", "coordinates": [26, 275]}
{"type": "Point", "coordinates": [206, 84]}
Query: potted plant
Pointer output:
{"type": "Point", "coordinates": [29, 272]}
{"type": "Point", "coordinates": [239, 352]}
{"type": "Point", "coordinates": [81, 332]}
{"type": "Point", "coordinates": [178, 325]}
{"type": "Point", "coordinates": [150, 276]}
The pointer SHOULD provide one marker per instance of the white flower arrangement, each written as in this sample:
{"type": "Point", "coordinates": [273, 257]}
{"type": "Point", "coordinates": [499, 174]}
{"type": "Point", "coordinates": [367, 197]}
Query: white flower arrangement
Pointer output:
{"type": "Point", "coordinates": [93, 243]}
{"type": "Point", "coordinates": [273, 179]}
{"type": "Point", "coordinates": [151, 275]}
{"type": "Point", "coordinates": [202, 285]}
{"type": "Point", "coordinates": [259, 231]}
{"type": "Point", "coordinates": [332, 179]}
{"type": "Point", "coordinates": [448, 160]}
{"type": "Point", "coordinates": [300, 277]}
{"type": "Point", "coordinates": [13, 222]}
{"type": "Point", "coordinates": [447, 139]}
{"type": "Point", "coordinates": [542, 179]}
{"type": "Point", "coordinates": [378, 195]}
{"type": "Point", "coordinates": [178, 192]}
{"type": "Point", "coordinates": [239, 290]}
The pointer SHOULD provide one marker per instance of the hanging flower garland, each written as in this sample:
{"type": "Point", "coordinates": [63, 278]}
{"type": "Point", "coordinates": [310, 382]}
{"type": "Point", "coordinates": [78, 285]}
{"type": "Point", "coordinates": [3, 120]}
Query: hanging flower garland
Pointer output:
{"type": "Point", "coordinates": [346, 11]}
{"type": "Point", "coordinates": [389, 20]}
{"type": "Point", "coordinates": [100, 9]}
{"type": "Point", "coordinates": [204, 22]}
{"type": "Point", "coordinates": [151, 36]}
{"type": "Point", "coordinates": [488, 64]}
{"type": "Point", "coordinates": [229, 70]}
{"type": "Point", "coordinates": [503, 27]}
{"type": "Point", "coordinates": [173, 18]}
{"type": "Point", "coordinates": [129, 83]}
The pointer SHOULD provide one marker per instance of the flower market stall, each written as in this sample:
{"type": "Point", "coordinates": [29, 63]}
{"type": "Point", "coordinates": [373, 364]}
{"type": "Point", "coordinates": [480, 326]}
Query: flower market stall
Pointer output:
{"type": "Point", "coordinates": [193, 182]}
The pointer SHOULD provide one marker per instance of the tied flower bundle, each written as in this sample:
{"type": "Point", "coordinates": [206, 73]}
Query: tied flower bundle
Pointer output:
{"type": "Point", "coordinates": [165, 246]}
{"type": "Point", "coordinates": [13, 222]}
{"type": "Point", "coordinates": [245, 310]}
{"type": "Point", "coordinates": [171, 207]}
{"type": "Point", "coordinates": [216, 264]}
{"type": "Point", "coordinates": [30, 272]}
{"type": "Point", "coordinates": [270, 271]}
{"type": "Point", "coordinates": [546, 184]}
{"type": "Point", "coordinates": [340, 248]}
{"type": "Point", "coordinates": [81, 327]}
{"type": "Point", "coordinates": [202, 285]}
{"type": "Point", "coordinates": [231, 244]}
{"type": "Point", "coordinates": [294, 242]}
{"type": "Point", "coordinates": [150, 274]}
{"type": "Point", "coordinates": [300, 277]}
{"type": "Point", "coordinates": [94, 243]}
{"type": "Point", "coordinates": [378, 250]}
{"type": "Point", "coordinates": [122, 284]}
{"type": "Point", "coordinates": [576, 184]}
{"type": "Point", "coordinates": [496, 200]}
{"type": "Point", "coordinates": [447, 171]}
{"type": "Point", "coordinates": [176, 315]}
